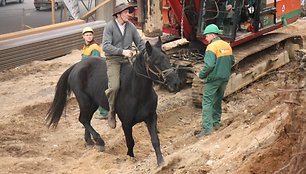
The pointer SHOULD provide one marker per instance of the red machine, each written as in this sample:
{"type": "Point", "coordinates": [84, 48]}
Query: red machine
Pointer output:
{"type": "Point", "coordinates": [243, 21]}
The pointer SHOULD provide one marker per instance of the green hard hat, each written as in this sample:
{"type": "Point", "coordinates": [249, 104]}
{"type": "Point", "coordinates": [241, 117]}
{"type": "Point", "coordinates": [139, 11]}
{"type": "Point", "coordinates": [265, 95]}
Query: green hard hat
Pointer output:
{"type": "Point", "coordinates": [211, 28]}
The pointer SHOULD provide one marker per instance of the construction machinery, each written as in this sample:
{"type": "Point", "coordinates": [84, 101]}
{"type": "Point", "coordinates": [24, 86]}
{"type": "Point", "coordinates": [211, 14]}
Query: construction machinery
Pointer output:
{"type": "Point", "coordinates": [248, 25]}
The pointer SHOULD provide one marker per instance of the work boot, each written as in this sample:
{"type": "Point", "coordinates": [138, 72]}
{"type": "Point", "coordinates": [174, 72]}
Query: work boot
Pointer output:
{"type": "Point", "coordinates": [202, 133]}
{"type": "Point", "coordinates": [217, 126]}
{"type": "Point", "coordinates": [102, 113]}
{"type": "Point", "coordinates": [111, 119]}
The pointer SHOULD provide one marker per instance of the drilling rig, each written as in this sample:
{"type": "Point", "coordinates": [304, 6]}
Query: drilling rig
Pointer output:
{"type": "Point", "coordinates": [248, 25]}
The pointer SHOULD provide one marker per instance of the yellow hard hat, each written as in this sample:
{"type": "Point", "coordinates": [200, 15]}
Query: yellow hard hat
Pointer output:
{"type": "Point", "coordinates": [87, 29]}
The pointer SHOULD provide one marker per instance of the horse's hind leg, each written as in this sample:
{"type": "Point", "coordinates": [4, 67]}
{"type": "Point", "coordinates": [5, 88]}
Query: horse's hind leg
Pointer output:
{"type": "Point", "coordinates": [151, 125]}
{"type": "Point", "coordinates": [89, 130]}
{"type": "Point", "coordinates": [85, 117]}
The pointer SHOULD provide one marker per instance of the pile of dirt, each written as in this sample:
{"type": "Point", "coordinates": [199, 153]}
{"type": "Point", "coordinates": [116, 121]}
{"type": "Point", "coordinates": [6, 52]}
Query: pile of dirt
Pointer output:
{"type": "Point", "coordinates": [287, 153]}
{"type": "Point", "coordinates": [263, 127]}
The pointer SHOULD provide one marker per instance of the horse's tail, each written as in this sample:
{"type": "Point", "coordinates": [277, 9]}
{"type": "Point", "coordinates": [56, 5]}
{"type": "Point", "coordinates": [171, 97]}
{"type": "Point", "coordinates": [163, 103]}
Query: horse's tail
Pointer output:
{"type": "Point", "coordinates": [60, 99]}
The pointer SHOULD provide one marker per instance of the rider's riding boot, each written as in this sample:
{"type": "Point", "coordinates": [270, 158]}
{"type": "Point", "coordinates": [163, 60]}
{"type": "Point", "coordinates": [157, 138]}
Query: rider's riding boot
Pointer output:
{"type": "Point", "coordinates": [111, 119]}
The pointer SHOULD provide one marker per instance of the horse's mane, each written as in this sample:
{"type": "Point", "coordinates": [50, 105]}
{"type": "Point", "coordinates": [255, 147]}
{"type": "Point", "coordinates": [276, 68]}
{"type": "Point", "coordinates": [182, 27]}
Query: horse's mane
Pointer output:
{"type": "Point", "coordinates": [138, 63]}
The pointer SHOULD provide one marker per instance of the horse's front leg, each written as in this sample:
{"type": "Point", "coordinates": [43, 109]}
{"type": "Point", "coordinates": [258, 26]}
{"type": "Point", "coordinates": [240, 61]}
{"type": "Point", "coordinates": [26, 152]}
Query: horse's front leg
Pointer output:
{"type": "Point", "coordinates": [151, 125]}
{"type": "Point", "coordinates": [88, 139]}
{"type": "Point", "coordinates": [127, 129]}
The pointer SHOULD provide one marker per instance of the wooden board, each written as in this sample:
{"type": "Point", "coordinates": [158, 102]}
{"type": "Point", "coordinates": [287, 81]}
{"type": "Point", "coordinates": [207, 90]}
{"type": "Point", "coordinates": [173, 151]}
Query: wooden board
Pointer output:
{"type": "Point", "coordinates": [40, 29]}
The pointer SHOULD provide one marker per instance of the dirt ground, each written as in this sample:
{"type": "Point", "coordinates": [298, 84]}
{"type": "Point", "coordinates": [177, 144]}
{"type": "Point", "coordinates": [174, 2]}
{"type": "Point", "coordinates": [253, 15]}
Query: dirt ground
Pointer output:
{"type": "Point", "coordinates": [263, 128]}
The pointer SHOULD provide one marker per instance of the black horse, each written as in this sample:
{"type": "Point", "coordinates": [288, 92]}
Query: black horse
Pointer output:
{"type": "Point", "coordinates": [136, 99]}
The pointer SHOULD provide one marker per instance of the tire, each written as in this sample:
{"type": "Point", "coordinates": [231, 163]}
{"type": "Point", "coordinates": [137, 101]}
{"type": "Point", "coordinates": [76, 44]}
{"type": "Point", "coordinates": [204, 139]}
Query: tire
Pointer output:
{"type": "Point", "coordinates": [37, 8]}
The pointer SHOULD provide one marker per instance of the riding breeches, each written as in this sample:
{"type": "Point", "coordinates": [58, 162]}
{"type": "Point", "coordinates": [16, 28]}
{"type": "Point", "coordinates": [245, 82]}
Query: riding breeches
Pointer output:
{"type": "Point", "coordinates": [113, 74]}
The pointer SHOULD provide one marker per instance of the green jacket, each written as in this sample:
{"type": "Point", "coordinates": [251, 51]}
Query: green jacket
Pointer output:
{"type": "Point", "coordinates": [218, 61]}
{"type": "Point", "coordinates": [91, 50]}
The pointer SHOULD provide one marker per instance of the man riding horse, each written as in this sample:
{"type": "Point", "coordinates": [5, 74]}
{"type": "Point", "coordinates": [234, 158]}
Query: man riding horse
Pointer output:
{"type": "Point", "coordinates": [118, 36]}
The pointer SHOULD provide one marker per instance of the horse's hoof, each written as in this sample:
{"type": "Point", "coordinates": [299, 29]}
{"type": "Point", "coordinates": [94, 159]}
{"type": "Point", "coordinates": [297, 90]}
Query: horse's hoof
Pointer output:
{"type": "Point", "coordinates": [100, 148]}
{"type": "Point", "coordinates": [112, 123]}
{"type": "Point", "coordinates": [89, 146]}
{"type": "Point", "coordinates": [161, 163]}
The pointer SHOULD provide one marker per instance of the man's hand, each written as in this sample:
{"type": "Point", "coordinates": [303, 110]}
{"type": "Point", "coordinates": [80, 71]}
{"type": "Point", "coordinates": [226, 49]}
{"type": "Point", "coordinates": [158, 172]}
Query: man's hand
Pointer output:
{"type": "Point", "coordinates": [127, 53]}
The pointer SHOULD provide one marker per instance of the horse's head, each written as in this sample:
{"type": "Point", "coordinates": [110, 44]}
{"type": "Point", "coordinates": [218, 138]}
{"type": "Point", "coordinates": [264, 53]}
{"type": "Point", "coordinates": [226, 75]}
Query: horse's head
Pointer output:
{"type": "Point", "coordinates": [159, 67]}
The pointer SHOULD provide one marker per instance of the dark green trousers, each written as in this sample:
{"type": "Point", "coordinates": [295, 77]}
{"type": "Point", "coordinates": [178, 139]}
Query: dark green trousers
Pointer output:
{"type": "Point", "coordinates": [213, 93]}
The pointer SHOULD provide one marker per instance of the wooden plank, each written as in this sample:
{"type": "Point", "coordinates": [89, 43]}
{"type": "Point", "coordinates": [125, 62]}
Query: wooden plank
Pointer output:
{"type": "Point", "coordinates": [89, 13]}
{"type": "Point", "coordinates": [40, 29]}
{"type": "Point", "coordinates": [53, 11]}
{"type": "Point", "coordinates": [174, 44]}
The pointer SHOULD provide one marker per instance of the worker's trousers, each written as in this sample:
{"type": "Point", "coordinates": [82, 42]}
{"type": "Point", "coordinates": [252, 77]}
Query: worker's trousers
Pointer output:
{"type": "Point", "coordinates": [213, 93]}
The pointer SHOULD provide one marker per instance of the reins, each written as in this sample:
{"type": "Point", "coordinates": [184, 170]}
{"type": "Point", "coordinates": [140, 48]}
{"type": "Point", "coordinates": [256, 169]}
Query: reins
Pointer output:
{"type": "Point", "coordinates": [163, 74]}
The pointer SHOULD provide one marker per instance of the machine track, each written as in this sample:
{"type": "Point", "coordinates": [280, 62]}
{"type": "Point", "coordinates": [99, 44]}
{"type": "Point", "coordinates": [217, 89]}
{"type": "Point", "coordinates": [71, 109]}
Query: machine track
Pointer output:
{"type": "Point", "coordinates": [254, 59]}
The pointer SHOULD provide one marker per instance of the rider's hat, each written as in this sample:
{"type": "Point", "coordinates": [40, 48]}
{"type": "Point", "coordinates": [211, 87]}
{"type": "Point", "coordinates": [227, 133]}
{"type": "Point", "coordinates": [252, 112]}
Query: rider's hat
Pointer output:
{"type": "Point", "coordinates": [123, 6]}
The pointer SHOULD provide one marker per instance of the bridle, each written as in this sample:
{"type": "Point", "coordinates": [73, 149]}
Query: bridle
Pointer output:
{"type": "Point", "coordinates": [160, 74]}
